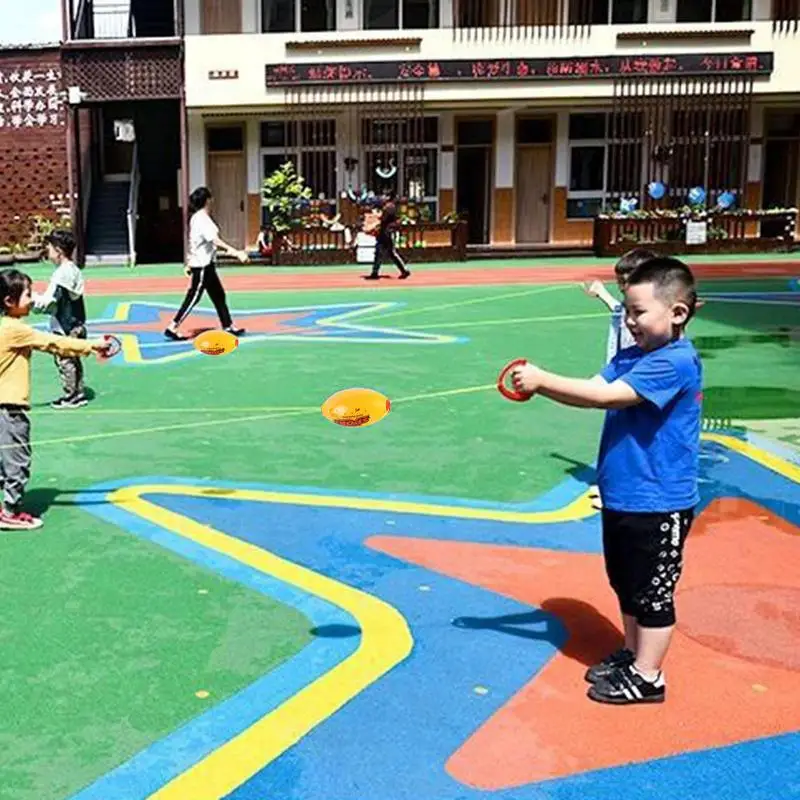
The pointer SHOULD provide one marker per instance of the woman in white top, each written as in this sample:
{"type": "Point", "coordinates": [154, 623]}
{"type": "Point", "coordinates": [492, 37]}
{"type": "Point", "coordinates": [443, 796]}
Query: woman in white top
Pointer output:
{"type": "Point", "coordinates": [201, 265]}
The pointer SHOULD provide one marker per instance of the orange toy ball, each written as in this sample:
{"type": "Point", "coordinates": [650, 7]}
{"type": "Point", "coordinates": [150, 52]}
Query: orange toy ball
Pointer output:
{"type": "Point", "coordinates": [356, 408]}
{"type": "Point", "coordinates": [216, 343]}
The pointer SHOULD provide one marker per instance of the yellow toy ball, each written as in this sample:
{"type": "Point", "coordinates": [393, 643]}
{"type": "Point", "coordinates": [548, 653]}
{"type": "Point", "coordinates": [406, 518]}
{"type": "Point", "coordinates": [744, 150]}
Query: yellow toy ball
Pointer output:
{"type": "Point", "coordinates": [356, 408]}
{"type": "Point", "coordinates": [216, 343]}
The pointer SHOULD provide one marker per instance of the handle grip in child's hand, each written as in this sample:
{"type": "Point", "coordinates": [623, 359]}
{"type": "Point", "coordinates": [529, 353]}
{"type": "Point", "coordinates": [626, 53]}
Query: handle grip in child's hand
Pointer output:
{"type": "Point", "coordinates": [512, 394]}
{"type": "Point", "coordinates": [114, 346]}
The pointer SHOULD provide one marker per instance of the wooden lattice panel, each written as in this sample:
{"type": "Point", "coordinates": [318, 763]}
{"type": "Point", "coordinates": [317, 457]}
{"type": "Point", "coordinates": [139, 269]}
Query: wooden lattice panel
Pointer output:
{"type": "Point", "coordinates": [125, 73]}
{"type": "Point", "coordinates": [33, 153]}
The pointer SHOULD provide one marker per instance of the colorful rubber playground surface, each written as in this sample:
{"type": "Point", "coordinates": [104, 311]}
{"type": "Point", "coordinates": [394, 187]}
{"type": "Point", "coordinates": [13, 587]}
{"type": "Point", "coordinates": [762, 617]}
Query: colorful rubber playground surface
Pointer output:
{"type": "Point", "coordinates": [234, 598]}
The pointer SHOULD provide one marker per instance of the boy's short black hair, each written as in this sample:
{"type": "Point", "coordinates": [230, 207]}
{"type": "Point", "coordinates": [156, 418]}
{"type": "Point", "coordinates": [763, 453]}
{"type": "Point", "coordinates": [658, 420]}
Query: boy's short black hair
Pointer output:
{"type": "Point", "coordinates": [12, 284]}
{"type": "Point", "coordinates": [673, 281]}
{"type": "Point", "coordinates": [631, 260]}
{"type": "Point", "coordinates": [62, 240]}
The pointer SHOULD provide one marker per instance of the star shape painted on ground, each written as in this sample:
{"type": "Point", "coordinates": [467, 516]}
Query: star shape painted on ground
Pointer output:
{"type": "Point", "coordinates": [524, 605]}
{"type": "Point", "coordinates": [141, 328]}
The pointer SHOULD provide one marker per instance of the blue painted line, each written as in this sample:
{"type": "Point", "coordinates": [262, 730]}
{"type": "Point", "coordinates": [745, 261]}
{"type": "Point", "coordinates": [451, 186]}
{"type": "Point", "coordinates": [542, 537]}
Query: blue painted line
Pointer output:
{"type": "Point", "coordinates": [167, 758]}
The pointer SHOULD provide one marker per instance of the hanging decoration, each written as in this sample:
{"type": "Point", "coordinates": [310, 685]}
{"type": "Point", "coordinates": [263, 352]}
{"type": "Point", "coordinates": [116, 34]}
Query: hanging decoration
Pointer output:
{"type": "Point", "coordinates": [657, 190]}
{"type": "Point", "coordinates": [386, 173]}
{"type": "Point", "coordinates": [697, 196]}
{"type": "Point", "coordinates": [726, 200]}
{"type": "Point", "coordinates": [627, 205]}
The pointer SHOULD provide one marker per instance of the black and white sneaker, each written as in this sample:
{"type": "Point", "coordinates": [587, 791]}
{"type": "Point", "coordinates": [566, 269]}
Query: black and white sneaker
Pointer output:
{"type": "Point", "coordinates": [625, 686]}
{"type": "Point", "coordinates": [173, 336]}
{"type": "Point", "coordinates": [622, 658]}
{"type": "Point", "coordinates": [235, 331]}
{"type": "Point", "coordinates": [77, 401]}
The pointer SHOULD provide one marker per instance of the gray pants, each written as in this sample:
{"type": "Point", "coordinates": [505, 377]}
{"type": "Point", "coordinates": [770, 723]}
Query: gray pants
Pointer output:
{"type": "Point", "coordinates": [15, 454]}
{"type": "Point", "coordinates": [71, 369]}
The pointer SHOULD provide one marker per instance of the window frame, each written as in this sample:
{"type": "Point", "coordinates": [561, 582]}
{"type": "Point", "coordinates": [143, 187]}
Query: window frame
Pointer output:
{"type": "Point", "coordinates": [713, 19]}
{"type": "Point", "coordinates": [298, 20]}
{"type": "Point", "coordinates": [400, 17]}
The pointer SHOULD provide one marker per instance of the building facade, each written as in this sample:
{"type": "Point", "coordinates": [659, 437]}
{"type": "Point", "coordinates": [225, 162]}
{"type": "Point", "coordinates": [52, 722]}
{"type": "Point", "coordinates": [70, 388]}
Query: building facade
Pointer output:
{"type": "Point", "coordinates": [528, 116]}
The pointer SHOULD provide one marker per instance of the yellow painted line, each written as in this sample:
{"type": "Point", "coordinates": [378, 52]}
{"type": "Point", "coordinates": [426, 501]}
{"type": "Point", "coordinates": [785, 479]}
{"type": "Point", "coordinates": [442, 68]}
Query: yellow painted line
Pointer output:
{"type": "Point", "coordinates": [762, 457]}
{"type": "Point", "coordinates": [507, 321]}
{"type": "Point", "coordinates": [385, 641]}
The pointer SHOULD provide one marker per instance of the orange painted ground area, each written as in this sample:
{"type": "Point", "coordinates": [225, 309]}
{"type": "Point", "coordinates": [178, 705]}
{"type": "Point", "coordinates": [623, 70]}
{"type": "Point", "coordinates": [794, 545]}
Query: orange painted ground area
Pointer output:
{"type": "Point", "coordinates": [733, 662]}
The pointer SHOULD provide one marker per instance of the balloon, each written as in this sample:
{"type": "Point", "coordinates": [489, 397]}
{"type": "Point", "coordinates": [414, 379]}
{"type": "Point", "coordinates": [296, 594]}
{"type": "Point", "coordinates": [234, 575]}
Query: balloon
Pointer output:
{"type": "Point", "coordinates": [628, 204]}
{"type": "Point", "coordinates": [697, 195]}
{"type": "Point", "coordinates": [656, 190]}
{"type": "Point", "coordinates": [726, 200]}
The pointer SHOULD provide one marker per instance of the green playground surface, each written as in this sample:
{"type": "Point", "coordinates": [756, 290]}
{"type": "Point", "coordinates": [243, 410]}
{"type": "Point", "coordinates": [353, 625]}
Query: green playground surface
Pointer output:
{"type": "Point", "coordinates": [108, 639]}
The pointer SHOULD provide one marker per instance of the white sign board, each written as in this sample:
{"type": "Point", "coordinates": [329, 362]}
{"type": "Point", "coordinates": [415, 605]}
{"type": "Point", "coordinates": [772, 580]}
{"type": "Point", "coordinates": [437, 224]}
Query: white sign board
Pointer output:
{"type": "Point", "coordinates": [696, 232]}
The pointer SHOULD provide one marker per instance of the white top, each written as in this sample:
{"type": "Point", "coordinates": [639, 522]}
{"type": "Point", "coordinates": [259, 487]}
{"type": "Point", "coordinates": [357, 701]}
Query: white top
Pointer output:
{"type": "Point", "coordinates": [619, 337]}
{"type": "Point", "coordinates": [66, 275]}
{"type": "Point", "coordinates": [202, 233]}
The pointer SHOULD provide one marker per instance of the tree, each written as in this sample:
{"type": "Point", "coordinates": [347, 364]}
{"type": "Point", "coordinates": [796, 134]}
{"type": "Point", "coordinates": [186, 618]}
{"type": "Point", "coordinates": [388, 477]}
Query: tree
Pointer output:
{"type": "Point", "coordinates": [282, 193]}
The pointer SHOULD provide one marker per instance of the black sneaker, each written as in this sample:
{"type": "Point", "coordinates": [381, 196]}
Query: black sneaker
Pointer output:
{"type": "Point", "coordinates": [176, 337]}
{"type": "Point", "coordinates": [622, 658]}
{"type": "Point", "coordinates": [371, 277]}
{"type": "Point", "coordinates": [79, 400]}
{"type": "Point", "coordinates": [405, 274]}
{"type": "Point", "coordinates": [235, 331]}
{"type": "Point", "coordinates": [625, 686]}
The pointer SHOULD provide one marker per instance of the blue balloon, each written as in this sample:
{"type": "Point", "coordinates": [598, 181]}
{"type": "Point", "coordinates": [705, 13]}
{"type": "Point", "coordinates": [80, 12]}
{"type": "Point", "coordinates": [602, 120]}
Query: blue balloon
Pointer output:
{"type": "Point", "coordinates": [726, 200]}
{"type": "Point", "coordinates": [628, 204]}
{"type": "Point", "coordinates": [697, 195]}
{"type": "Point", "coordinates": [656, 190]}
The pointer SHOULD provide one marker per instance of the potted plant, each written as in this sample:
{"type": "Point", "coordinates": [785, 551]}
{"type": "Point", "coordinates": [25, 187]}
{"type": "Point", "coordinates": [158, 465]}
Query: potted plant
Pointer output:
{"type": "Point", "coordinates": [282, 193]}
{"type": "Point", "coordinates": [6, 256]}
{"type": "Point", "coordinates": [24, 255]}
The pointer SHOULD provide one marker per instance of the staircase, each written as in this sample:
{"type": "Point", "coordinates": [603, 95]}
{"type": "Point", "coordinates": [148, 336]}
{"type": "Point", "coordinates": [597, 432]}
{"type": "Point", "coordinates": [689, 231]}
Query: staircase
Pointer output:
{"type": "Point", "coordinates": [107, 231]}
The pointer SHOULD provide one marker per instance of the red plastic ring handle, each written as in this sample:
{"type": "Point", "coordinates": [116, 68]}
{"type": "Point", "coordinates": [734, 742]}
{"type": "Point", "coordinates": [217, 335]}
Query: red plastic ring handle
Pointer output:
{"type": "Point", "coordinates": [512, 394]}
{"type": "Point", "coordinates": [115, 349]}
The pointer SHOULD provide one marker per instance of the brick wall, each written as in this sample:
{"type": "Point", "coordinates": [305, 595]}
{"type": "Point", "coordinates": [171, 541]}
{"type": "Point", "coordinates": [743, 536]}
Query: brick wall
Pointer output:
{"type": "Point", "coordinates": [33, 140]}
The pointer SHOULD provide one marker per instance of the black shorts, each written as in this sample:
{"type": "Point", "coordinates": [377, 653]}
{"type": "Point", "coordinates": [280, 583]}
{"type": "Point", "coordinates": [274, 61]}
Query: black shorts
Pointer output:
{"type": "Point", "coordinates": [644, 559]}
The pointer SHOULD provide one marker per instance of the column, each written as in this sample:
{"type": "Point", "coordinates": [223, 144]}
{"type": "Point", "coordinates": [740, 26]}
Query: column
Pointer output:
{"type": "Point", "coordinates": [253, 161]}
{"type": "Point", "coordinates": [447, 164]}
{"type": "Point", "coordinates": [503, 195]}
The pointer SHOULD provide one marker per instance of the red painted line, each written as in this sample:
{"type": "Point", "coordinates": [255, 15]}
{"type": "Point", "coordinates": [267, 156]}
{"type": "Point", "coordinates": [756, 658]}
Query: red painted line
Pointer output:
{"type": "Point", "coordinates": [268, 281]}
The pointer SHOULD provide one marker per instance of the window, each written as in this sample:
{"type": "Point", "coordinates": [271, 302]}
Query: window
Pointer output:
{"type": "Point", "coordinates": [605, 12]}
{"type": "Point", "coordinates": [310, 145]}
{"type": "Point", "coordinates": [534, 130]}
{"type": "Point", "coordinates": [605, 160]}
{"type": "Point", "coordinates": [402, 157]}
{"type": "Point", "coordinates": [709, 148]}
{"type": "Point", "coordinates": [713, 11]}
{"type": "Point", "coordinates": [394, 14]}
{"type": "Point", "coordinates": [281, 16]}
{"type": "Point", "coordinates": [229, 139]}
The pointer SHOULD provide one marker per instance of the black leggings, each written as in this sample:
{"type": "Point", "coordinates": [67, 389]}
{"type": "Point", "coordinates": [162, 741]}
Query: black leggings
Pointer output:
{"type": "Point", "coordinates": [205, 279]}
{"type": "Point", "coordinates": [385, 244]}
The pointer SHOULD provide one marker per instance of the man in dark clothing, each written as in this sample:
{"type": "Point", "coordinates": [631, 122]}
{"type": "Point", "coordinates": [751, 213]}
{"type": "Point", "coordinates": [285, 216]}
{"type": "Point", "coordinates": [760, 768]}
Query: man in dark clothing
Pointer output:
{"type": "Point", "coordinates": [385, 243]}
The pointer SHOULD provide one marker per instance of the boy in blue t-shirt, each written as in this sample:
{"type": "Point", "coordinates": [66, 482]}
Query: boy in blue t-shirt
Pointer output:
{"type": "Point", "coordinates": [647, 469]}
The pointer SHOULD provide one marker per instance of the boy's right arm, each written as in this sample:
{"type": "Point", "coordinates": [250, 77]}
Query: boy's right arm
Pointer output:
{"type": "Point", "coordinates": [27, 337]}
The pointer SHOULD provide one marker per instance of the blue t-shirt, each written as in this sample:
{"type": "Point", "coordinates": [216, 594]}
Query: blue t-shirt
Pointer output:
{"type": "Point", "coordinates": [649, 452]}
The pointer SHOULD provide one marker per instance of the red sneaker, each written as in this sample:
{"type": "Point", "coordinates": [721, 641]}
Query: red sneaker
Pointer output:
{"type": "Point", "coordinates": [20, 521]}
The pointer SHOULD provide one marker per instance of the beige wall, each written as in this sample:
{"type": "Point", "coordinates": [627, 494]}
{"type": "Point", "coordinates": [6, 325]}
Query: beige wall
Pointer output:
{"type": "Point", "coordinates": [249, 53]}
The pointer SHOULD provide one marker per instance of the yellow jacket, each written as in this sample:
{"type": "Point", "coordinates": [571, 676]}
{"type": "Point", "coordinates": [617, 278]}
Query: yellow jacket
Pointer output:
{"type": "Point", "coordinates": [17, 340]}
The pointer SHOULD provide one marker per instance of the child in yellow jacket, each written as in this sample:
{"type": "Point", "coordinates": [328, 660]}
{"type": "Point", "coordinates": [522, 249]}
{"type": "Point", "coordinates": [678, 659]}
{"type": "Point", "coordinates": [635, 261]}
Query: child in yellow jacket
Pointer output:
{"type": "Point", "coordinates": [17, 341]}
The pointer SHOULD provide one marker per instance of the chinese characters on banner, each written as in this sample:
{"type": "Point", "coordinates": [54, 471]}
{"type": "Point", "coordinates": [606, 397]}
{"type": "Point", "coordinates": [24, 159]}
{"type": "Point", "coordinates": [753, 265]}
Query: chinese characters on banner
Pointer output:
{"type": "Point", "coordinates": [31, 98]}
{"type": "Point", "coordinates": [539, 69]}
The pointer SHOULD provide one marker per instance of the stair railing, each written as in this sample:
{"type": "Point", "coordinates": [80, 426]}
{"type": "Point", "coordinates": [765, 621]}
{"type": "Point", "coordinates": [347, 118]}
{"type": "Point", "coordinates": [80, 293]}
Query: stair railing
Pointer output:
{"type": "Point", "coordinates": [133, 205]}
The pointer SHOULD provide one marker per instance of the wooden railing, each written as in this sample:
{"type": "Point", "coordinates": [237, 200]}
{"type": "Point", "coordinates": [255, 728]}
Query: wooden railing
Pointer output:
{"type": "Point", "coordinates": [425, 241]}
{"type": "Point", "coordinates": [726, 233]}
